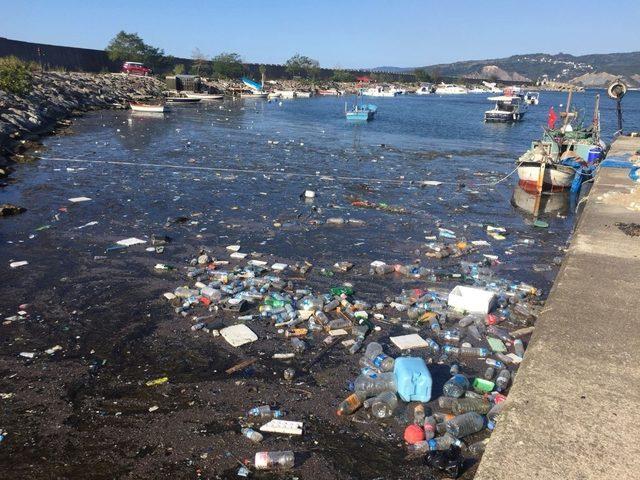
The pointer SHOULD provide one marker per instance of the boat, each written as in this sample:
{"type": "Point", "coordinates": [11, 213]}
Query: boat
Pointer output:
{"type": "Point", "coordinates": [300, 94]}
{"type": "Point", "coordinates": [204, 96]}
{"type": "Point", "coordinates": [492, 87]}
{"type": "Point", "coordinates": [183, 99]}
{"type": "Point", "coordinates": [379, 91]}
{"type": "Point", "coordinates": [148, 108]}
{"type": "Point", "coordinates": [360, 111]}
{"type": "Point", "coordinates": [565, 156]}
{"type": "Point", "coordinates": [532, 98]}
{"type": "Point", "coordinates": [506, 109]}
{"type": "Point", "coordinates": [477, 89]}
{"type": "Point", "coordinates": [425, 89]}
{"type": "Point", "coordinates": [285, 94]}
{"type": "Point", "coordinates": [329, 92]}
{"type": "Point", "coordinates": [254, 95]}
{"type": "Point", "coordinates": [397, 91]}
{"type": "Point", "coordinates": [445, 89]}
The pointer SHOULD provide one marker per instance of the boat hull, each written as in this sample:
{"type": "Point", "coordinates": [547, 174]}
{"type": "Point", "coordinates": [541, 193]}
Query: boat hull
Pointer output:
{"type": "Point", "coordinates": [148, 108]}
{"type": "Point", "coordinates": [503, 117]}
{"type": "Point", "coordinates": [556, 177]}
{"type": "Point", "coordinates": [182, 100]}
{"type": "Point", "coordinates": [204, 96]}
{"type": "Point", "coordinates": [254, 95]}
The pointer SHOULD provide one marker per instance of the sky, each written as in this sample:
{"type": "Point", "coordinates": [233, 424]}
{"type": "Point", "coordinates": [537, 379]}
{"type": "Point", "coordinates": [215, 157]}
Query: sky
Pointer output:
{"type": "Point", "coordinates": [337, 33]}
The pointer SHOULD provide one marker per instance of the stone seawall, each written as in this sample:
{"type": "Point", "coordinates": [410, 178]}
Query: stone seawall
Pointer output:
{"type": "Point", "coordinates": [57, 96]}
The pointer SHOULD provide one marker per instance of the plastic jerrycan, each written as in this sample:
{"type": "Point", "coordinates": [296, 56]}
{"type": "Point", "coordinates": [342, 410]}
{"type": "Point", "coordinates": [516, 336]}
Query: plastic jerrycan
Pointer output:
{"type": "Point", "coordinates": [413, 379]}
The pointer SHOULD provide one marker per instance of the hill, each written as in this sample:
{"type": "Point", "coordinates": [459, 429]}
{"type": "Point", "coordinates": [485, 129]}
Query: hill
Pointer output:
{"type": "Point", "coordinates": [560, 67]}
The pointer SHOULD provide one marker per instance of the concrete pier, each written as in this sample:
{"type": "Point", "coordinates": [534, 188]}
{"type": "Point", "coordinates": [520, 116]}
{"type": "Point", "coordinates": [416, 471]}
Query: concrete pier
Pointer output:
{"type": "Point", "coordinates": [574, 409]}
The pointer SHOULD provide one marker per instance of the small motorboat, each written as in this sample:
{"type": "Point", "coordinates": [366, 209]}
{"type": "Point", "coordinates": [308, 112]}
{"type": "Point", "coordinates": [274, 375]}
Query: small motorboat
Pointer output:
{"type": "Point", "coordinates": [301, 94]}
{"type": "Point", "coordinates": [532, 98]}
{"type": "Point", "coordinates": [329, 92]}
{"type": "Point", "coordinates": [445, 89]}
{"type": "Point", "coordinates": [147, 107]}
{"type": "Point", "coordinates": [507, 109]}
{"type": "Point", "coordinates": [254, 95]}
{"type": "Point", "coordinates": [204, 96]}
{"type": "Point", "coordinates": [285, 94]}
{"type": "Point", "coordinates": [362, 112]}
{"type": "Point", "coordinates": [183, 99]}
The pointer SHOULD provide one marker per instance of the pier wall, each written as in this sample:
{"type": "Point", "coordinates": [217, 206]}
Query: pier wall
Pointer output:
{"type": "Point", "coordinates": [573, 411]}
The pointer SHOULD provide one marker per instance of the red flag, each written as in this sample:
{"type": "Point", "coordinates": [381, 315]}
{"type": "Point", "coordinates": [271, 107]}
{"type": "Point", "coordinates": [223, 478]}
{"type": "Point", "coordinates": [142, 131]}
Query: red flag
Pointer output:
{"type": "Point", "coordinates": [551, 119]}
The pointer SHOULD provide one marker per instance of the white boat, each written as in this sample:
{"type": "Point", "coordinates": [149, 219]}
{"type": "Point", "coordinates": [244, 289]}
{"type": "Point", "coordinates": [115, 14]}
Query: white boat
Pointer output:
{"type": "Point", "coordinates": [204, 96]}
{"type": "Point", "coordinates": [254, 95]}
{"type": "Point", "coordinates": [285, 93]}
{"type": "Point", "coordinates": [397, 91]}
{"type": "Point", "coordinates": [532, 98]}
{"type": "Point", "coordinates": [425, 89]}
{"type": "Point", "coordinates": [492, 87]}
{"type": "Point", "coordinates": [301, 94]}
{"type": "Point", "coordinates": [506, 109]}
{"type": "Point", "coordinates": [477, 89]}
{"type": "Point", "coordinates": [147, 108]}
{"type": "Point", "coordinates": [379, 91]}
{"type": "Point", "coordinates": [444, 89]}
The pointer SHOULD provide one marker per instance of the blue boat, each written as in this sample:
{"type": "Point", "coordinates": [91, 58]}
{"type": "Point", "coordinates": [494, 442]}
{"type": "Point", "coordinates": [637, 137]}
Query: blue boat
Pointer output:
{"type": "Point", "coordinates": [361, 112]}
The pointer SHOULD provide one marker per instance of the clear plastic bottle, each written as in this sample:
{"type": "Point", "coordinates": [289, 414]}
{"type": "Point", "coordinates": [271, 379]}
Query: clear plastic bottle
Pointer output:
{"type": "Point", "coordinates": [430, 427]}
{"type": "Point", "coordinates": [502, 381]}
{"type": "Point", "coordinates": [378, 357]}
{"type": "Point", "coordinates": [252, 435]}
{"type": "Point", "coordinates": [350, 404]}
{"type": "Point", "coordinates": [495, 411]}
{"type": "Point", "coordinates": [446, 403]}
{"type": "Point", "coordinates": [465, 424]}
{"type": "Point", "coordinates": [456, 386]}
{"type": "Point", "coordinates": [418, 414]}
{"type": "Point", "coordinates": [384, 405]}
{"type": "Point", "coordinates": [451, 335]}
{"type": "Point", "coordinates": [274, 460]}
{"type": "Point", "coordinates": [489, 373]}
{"type": "Point", "coordinates": [518, 347]}
{"type": "Point", "coordinates": [466, 351]}
{"type": "Point", "coordinates": [476, 449]}
{"type": "Point", "coordinates": [265, 411]}
{"type": "Point", "coordinates": [432, 347]}
{"type": "Point", "coordinates": [383, 382]}
{"type": "Point", "coordinates": [464, 405]}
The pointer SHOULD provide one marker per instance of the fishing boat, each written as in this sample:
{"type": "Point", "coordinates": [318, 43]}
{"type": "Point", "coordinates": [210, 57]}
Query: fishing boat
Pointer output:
{"type": "Point", "coordinates": [506, 109]}
{"type": "Point", "coordinates": [329, 92]}
{"type": "Point", "coordinates": [182, 99]}
{"type": "Point", "coordinates": [302, 94]}
{"type": "Point", "coordinates": [360, 111]}
{"type": "Point", "coordinates": [565, 156]}
{"type": "Point", "coordinates": [532, 98]}
{"type": "Point", "coordinates": [204, 96]}
{"type": "Point", "coordinates": [445, 89]}
{"type": "Point", "coordinates": [148, 108]}
{"type": "Point", "coordinates": [254, 95]}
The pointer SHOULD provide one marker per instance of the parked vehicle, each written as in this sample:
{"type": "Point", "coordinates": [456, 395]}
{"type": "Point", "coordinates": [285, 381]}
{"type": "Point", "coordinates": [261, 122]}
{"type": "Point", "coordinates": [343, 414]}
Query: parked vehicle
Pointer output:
{"type": "Point", "coordinates": [135, 68]}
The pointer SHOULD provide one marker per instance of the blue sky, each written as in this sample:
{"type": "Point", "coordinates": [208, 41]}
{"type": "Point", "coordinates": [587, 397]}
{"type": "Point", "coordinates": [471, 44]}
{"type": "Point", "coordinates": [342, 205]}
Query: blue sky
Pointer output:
{"type": "Point", "coordinates": [338, 33]}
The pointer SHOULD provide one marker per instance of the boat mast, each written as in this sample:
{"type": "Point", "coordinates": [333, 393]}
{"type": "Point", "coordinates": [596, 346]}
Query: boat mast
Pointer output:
{"type": "Point", "coordinates": [566, 112]}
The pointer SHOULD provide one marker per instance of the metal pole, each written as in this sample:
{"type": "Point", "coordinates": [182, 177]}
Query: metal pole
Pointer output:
{"type": "Point", "coordinates": [619, 110]}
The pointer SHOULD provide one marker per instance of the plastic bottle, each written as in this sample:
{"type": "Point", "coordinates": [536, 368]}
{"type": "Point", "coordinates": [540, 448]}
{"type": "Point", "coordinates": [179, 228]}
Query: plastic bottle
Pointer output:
{"type": "Point", "coordinates": [494, 363]}
{"type": "Point", "coordinates": [298, 345]}
{"type": "Point", "coordinates": [502, 381]}
{"type": "Point", "coordinates": [265, 411]}
{"type": "Point", "coordinates": [383, 382]}
{"type": "Point", "coordinates": [384, 405]}
{"type": "Point", "coordinates": [435, 444]}
{"type": "Point", "coordinates": [466, 351]}
{"type": "Point", "coordinates": [477, 448]}
{"type": "Point", "coordinates": [432, 347]}
{"type": "Point", "coordinates": [464, 405]}
{"type": "Point", "coordinates": [446, 403]}
{"type": "Point", "coordinates": [465, 424]}
{"type": "Point", "coordinates": [430, 427]}
{"type": "Point", "coordinates": [518, 347]}
{"type": "Point", "coordinates": [456, 386]}
{"type": "Point", "coordinates": [274, 460]}
{"type": "Point", "coordinates": [252, 435]}
{"type": "Point", "coordinates": [350, 404]}
{"type": "Point", "coordinates": [378, 357]}
{"type": "Point", "coordinates": [452, 336]}
{"type": "Point", "coordinates": [454, 369]}
{"type": "Point", "coordinates": [489, 373]}
{"type": "Point", "coordinates": [418, 414]}
{"type": "Point", "coordinates": [495, 411]}
{"type": "Point", "coordinates": [434, 325]}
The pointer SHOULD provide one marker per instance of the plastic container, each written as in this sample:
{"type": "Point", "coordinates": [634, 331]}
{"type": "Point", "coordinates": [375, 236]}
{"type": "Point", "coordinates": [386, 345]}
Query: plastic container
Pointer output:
{"type": "Point", "coordinates": [456, 386]}
{"type": "Point", "coordinates": [375, 354]}
{"type": "Point", "coordinates": [465, 424]}
{"type": "Point", "coordinates": [384, 405]}
{"type": "Point", "coordinates": [413, 380]}
{"type": "Point", "coordinates": [252, 435]}
{"type": "Point", "coordinates": [383, 382]}
{"type": "Point", "coordinates": [594, 155]}
{"type": "Point", "coordinates": [472, 300]}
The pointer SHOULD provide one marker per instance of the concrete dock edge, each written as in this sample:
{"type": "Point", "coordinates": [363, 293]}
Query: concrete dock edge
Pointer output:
{"type": "Point", "coordinates": [574, 409]}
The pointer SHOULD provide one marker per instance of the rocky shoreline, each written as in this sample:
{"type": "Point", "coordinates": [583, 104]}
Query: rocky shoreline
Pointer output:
{"type": "Point", "coordinates": [54, 98]}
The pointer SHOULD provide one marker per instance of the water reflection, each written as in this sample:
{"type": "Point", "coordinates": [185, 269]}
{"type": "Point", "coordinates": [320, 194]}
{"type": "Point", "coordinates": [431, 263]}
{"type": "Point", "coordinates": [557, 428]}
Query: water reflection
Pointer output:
{"type": "Point", "coordinates": [557, 203]}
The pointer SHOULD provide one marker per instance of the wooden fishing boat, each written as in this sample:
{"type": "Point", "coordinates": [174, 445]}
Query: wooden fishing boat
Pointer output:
{"type": "Point", "coordinates": [364, 112]}
{"type": "Point", "coordinates": [148, 108]}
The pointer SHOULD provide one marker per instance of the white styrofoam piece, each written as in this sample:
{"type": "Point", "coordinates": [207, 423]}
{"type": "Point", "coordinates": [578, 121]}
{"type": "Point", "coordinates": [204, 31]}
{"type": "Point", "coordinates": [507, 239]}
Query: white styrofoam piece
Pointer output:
{"type": "Point", "coordinates": [287, 427]}
{"type": "Point", "coordinates": [405, 342]}
{"type": "Point", "coordinates": [127, 242]}
{"type": "Point", "coordinates": [237, 335]}
{"type": "Point", "coordinates": [278, 267]}
{"type": "Point", "coordinates": [79, 199]}
{"type": "Point", "coordinates": [473, 300]}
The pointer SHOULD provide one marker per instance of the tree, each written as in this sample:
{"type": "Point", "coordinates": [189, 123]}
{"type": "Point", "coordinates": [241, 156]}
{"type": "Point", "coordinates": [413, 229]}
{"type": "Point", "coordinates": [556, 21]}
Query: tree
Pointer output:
{"type": "Point", "coordinates": [422, 75]}
{"type": "Point", "coordinates": [178, 69]}
{"type": "Point", "coordinates": [300, 66]}
{"type": "Point", "coordinates": [343, 76]}
{"type": "Point", "coordinates": [200, 62]}
{"type": "Point", "coordinates": [263, 72]}
{"type": "Point", "coordinates": [227, 65]}
{"type": "Point", "coordinates": [130, 47]}
{"type": "Point", "coordinates": [15, 76]}
{"type": "Point", "coordinates": [436, 75]}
